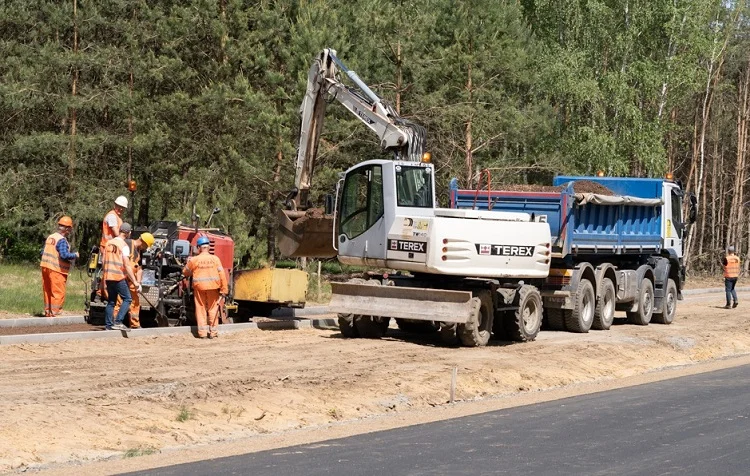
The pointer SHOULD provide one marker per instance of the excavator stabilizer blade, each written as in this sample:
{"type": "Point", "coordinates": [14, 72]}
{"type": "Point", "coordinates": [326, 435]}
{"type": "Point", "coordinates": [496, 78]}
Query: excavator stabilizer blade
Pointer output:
{"type": "Point", "coordinates": [420, 304]}
{"type": "Point", "coordinates": [305, 234]}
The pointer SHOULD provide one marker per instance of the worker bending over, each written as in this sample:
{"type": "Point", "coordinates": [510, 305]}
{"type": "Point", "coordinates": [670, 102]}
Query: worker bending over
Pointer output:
{"type": "Point", "coordinates": [117, 269]}
{"type": "Point", "coordinates": [209, 288]}
{"type": "Point", "coordinates": [56, 261]}
{"type": "Point", "coordinates": [137, 246]}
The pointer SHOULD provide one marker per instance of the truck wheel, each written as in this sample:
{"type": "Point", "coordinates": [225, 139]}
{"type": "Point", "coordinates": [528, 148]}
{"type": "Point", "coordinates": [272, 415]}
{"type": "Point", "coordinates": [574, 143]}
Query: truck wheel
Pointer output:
{"type": "Point", "coordinates": [417, 327]}
{"type": "Point", "coordinates": [556, 318]}
{"type": "Point", "coordinates": [604, 315]}
{"type": "Point", "coordinates": [477, 330]}
{"type": "Point", "coordinates": [346, 326]}
{"type": "Point", "coordinates": [645, 310]}
{"type": "Point", "coordinates": [371, 327]}
{"type": "Point", "coordinates": [668, 306]}
{"type": "Point", "coordinates": [524, 323]}
{"type": "Point", "coordinates": [582, 317]}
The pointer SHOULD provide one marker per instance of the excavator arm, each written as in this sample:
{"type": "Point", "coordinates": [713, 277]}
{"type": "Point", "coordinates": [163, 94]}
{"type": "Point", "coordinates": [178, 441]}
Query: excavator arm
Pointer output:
{"type": "Point", "coordinates": [306, 231]}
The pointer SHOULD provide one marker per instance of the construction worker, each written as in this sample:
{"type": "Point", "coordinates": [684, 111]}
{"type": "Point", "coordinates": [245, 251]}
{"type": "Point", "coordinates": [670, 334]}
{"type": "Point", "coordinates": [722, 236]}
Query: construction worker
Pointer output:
{"type": "Point", "coordinates": [56, 261]}
{"type": "Point", "coordinates": [731, 264]}
{"type": "Point", "coordinates": [110, 229]}
{"type": "Point", "coordinates": [209, 288]}
{"type": "Point", "coordinates": [112, 222]}
{"type": "Point", "coordinates": [137, 246]}
{"type": "Point", "coordinates": [117, 272]}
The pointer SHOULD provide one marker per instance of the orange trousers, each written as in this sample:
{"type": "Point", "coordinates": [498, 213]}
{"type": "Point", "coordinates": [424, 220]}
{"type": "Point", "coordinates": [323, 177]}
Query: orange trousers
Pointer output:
{"type": "Point", "coordinates": [53, 289]}
{"type": "Point", "coordinates": [135, 306]}
{"type": "Point", "coordinates": [207, 311]}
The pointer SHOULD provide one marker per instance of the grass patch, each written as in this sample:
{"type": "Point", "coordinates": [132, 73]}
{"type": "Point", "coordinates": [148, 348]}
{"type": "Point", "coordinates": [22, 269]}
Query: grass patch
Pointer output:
{"type": "Point", "coordinates": [140, 451]}
{"type": "Point", "coordinates": [184, 414]}
{"type": "Point", "coordinates": [21, 289]}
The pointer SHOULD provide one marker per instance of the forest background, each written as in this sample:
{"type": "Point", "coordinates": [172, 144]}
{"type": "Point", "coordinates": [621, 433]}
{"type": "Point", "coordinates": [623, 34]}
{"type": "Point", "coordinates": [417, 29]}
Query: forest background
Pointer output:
{"type": "Point", "coordinates": [197, 101]}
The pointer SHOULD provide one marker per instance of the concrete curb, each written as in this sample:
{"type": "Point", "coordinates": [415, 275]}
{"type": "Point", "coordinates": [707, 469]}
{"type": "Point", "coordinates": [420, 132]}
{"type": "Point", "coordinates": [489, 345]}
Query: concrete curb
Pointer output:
{"type": "Point", "coordinates": [692, 292]}
{"type": "Point", "coordinates": [42, 321]}
{"type": "Point", "coordinates": [158, 331]}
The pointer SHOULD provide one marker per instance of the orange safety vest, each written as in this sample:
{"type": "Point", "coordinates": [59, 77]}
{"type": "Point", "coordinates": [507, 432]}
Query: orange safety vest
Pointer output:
{"type": "Point", "coordinates": [207, 272]}
{"type": "Point", "coordinates": [732, 268]}
{"type": "Point", "coordinates": [51, 258]}
{"type": "Point", "coordinates": [114, 267]}
{"type": "Point", "coordinates": [107, 232]}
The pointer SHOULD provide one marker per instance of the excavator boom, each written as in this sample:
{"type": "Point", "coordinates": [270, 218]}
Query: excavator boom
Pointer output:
{"type": "Point", "coordinates": [306, 231]}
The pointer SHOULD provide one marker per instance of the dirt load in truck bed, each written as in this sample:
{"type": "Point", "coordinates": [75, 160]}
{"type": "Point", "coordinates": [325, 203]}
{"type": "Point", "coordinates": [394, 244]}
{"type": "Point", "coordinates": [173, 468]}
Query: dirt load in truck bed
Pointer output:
{"type": "Point", "coordinates": [87, 400]}
{"type": "Point", "coordinates": [581, 186]}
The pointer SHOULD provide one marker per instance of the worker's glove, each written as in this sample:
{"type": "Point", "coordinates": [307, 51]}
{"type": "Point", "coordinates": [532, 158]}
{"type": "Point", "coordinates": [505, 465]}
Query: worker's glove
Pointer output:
{"type": "Point", "coordinates": [140, 288]}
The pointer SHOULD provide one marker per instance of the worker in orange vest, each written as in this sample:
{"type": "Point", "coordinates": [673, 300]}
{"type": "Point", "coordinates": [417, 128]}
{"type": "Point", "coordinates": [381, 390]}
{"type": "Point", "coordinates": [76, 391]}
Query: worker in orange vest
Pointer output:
{"type": "Point", "coordinates": [117, 271]}
{"type": "Point", "coordinates": [56, 261]}
{"type": "Point", "coordinates": [112, 222]}
{"type": "Point", "coordinates": [731, 264]}
{"type": "Point", "coordinates": [209, 288]}
{"type": "Point", "coordinates": [137, 246]}
{"type": "Point", "coordinates": [110, 229]}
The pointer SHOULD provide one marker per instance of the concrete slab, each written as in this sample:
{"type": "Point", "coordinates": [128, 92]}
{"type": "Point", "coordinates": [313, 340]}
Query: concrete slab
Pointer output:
{"type": "Point", "coordinates": [42, 321]}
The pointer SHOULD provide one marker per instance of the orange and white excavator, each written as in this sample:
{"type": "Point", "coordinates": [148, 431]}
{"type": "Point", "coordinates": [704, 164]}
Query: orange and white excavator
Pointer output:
{"type": "Point", "coordinates": [307, 231]}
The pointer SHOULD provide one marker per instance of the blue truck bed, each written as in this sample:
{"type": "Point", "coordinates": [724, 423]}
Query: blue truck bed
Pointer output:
{"type": "Point", "coordinates": [579, 227]}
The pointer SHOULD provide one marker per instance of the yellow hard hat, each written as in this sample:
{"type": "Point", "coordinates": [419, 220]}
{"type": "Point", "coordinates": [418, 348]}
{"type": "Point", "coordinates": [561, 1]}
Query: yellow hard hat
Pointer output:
{"type": "Point", "coordinates": [65, 221]}
{"type": "Point", "coordinates": [147, 238]}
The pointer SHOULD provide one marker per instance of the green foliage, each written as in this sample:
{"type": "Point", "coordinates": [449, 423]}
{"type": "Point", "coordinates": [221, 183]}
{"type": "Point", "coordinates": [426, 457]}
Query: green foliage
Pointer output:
{"type": "Point", "coordinates": [198, 100]}
{"type": "Point", "coordinates": [184, 415]}
{"type": "Point", "coordinates": [21, 289]}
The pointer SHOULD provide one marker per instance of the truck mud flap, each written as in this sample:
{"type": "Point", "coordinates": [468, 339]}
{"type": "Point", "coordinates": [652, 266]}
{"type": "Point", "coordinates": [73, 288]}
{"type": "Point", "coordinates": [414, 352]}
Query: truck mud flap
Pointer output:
{"type": "Point", "coordinates": [305, 234]}
{"type": "Point", "coordinates": [422, 304]}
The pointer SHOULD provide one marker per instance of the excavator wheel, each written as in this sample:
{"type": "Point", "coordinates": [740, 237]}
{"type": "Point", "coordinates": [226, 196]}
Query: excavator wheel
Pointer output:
{"type": "Point", "coordinates": [346, 326]}
{"type": "Point", "coordinates": [477, 330]}
{"type": "Point", "coordinates": [371, 327]}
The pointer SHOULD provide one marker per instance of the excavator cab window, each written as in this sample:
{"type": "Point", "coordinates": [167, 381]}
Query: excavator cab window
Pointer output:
{"type": "Point", "coordinates": [414, 186]}
{"type": "Point", "coordinates": [362, 200]}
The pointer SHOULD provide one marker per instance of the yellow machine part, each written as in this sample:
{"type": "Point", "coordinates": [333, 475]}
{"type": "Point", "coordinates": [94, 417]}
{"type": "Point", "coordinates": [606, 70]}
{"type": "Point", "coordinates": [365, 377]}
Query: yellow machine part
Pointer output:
{"type": "Point", "coordinates": [305, 234]}
{"type": "Point", "coordinates": [270, 285]}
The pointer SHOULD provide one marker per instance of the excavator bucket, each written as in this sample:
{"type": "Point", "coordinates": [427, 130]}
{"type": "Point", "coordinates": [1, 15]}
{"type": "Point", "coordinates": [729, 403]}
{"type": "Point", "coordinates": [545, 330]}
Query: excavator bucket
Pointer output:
{"type": "Point", "coordinates": [305, 233]}
{"type": "Point", "coordinates": [402, 302]}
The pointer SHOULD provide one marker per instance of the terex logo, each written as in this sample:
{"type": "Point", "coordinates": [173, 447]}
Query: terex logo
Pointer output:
{"type": "Point", "coordinates": [486, 249]}
{"type": "Point", "coordinates": [363, 115]}
{"type": "Point", "coordinates": [408, 246]}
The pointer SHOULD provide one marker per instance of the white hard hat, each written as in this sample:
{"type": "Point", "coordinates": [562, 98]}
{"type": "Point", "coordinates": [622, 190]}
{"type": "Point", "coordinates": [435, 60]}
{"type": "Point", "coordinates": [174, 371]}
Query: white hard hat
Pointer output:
{"type": "Point", "coordinates": [121, 201]}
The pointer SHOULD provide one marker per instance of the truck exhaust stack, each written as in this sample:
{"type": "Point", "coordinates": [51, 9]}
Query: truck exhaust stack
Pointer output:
{"type": "Point", "coordinates": [306, 233]}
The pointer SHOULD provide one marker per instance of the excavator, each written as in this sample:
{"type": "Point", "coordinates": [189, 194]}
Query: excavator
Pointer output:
{"type": "Point", "coordinates": [467, 274]}
{"type": "Point", "coordinates": [306, 231]}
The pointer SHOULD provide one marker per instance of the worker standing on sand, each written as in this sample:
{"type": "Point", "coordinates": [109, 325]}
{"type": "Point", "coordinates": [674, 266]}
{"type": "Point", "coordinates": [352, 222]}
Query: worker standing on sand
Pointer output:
{"type": "Point", "coordinates": [209, 288]}
{"type": "Point", "coordinates": [731, 264]}
{"type": "Point", "coordinates": [136, 247]}
{"type": "Point", "coordinates": [117, 270]}
{"type": "Point", "coordinates": [56, 261]}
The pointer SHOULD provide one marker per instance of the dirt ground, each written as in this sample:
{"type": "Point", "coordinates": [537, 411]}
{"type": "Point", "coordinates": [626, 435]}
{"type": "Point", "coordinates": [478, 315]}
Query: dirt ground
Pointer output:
{"type": "Point", "coordinates": [87, 401]}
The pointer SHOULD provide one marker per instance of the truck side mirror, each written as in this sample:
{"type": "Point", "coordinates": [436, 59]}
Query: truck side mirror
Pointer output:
{"type": "Point", "coordinates": [693, 212]}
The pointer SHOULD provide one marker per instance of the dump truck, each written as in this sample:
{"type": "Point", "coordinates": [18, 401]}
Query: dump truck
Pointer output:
{"type": "Point", "coordinates": [617, 245]}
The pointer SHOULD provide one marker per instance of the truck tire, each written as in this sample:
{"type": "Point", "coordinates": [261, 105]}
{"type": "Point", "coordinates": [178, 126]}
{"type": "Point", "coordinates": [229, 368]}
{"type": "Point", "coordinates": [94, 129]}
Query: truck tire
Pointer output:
{"type": "Point", "coordinates": [371, 327]}
{"type": "Point", "coordinates": [645, 310]}
{"type": "Point", "coordinates": [524, 323]}
{"type": "Point", "coordinates": [417, 327]}
{"type": "Point", "coordinates": [556, 318]}
{"type": "Point", "coordinates": [346, 326]}
{"type": "Point", "coordinates": [582, 317]}
{"type": "Point", "coordinates": [604, 315]}
{"type": "Point", "coordinates": [477, 330]}
{"type": "Point", "coordinates": [668, 305]}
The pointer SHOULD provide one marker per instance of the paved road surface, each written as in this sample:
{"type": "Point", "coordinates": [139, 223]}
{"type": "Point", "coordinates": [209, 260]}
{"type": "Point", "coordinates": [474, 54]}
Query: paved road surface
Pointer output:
{"type": "Point", "coordinates": [692, 425]}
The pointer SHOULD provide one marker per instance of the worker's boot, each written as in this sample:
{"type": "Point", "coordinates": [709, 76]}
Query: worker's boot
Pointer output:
{"type": "Point", "coordinates": [735, 304]}
{"type": "Point", "coordinates": [728, 306]}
